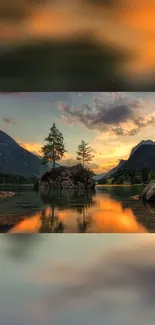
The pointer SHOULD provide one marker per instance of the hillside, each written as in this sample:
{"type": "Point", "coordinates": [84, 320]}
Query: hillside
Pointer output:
{"type": "Point", "coordinates": [18, 161]}
{"type": "Point", "coordinates": [115, 169]}
{"type": "Point", "coordinates": [143, 157]}
{"type": "Point", "coordinates": [98, 177]}
{"type": "Point", "coordinates": [122, 164]}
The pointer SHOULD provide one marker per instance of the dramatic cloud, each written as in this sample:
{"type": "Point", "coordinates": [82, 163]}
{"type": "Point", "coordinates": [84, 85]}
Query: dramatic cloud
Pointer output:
{"type": "Point", "coordinates": [7, 120]}
{"type": "Point", "coordinates": [115, 113]}
{"type": "Point", "coordinates": [122, 281]}
{"type": "Point", "coordinates": [72, 162]}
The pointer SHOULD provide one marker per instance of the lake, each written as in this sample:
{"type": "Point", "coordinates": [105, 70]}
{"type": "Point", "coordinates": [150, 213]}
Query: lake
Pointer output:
{"type": "Point", "coordinates": [110, 209]}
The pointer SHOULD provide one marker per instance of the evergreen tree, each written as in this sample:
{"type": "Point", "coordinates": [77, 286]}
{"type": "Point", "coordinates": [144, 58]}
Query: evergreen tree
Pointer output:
{"type": "Point", "coordinates": [54, 150]}
{"type": "Point", "coordinates": [84, 153]}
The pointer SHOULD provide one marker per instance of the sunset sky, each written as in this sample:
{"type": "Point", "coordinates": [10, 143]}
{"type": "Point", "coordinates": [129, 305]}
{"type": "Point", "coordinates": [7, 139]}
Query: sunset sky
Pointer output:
{"type": "Point", "coordinates": [112, 123]}
{"type": "Point", "coordinates": [125, 25]}
{"type": "Point", "coordinates": [56, 280]}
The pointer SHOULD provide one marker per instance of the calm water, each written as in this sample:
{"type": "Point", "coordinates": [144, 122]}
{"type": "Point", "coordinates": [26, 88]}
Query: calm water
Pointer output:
{"type": "Point", "coordinates": [108, 209]}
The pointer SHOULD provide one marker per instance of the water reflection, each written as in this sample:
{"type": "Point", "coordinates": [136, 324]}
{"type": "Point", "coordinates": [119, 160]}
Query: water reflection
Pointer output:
{"type": "Point", "coordinates": [84, 222]}
{"type": "Point", "coordinates": [69, 198]}
{"type": "Point", "coordinates": [111, 216]}
{"type": "Point", "coordinates": [50, 222]}
{"type": "Point", "coordinates": [79, 211]}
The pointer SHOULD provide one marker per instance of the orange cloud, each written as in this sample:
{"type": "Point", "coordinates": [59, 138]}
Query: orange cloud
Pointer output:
{"type": "Point", "coordinates": [32, 147]}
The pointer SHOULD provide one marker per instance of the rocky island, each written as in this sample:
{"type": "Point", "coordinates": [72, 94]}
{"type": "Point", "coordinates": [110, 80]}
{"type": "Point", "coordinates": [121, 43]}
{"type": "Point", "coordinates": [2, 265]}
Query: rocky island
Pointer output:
{"type": "Point", "coordinates": [75, 177]}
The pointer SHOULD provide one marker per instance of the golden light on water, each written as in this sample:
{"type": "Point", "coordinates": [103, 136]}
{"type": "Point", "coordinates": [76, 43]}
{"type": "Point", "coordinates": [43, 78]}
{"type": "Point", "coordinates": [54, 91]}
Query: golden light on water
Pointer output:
{"type": "Point", "coordinates": [111, 217]}
{"type": "Point", "coordinates": [107, 215]}
{"type": "Point", "coordinates": [27, 225]}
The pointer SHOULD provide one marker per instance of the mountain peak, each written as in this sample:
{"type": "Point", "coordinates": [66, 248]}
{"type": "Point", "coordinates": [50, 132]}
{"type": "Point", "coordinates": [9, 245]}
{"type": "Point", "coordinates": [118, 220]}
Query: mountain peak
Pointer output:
{"type": "Point", "coordinates": [142, 157]}
{"type": "Point", "coordinates": [149, 141]}
{"type": "Point", "coordinates": [141, 143]}
{"type": "Point", "coordinates": [3, 134]}
{"type": "Point", "coordinates": [18, 160]}
{"type": "Point", "coordinates": [6, 139]}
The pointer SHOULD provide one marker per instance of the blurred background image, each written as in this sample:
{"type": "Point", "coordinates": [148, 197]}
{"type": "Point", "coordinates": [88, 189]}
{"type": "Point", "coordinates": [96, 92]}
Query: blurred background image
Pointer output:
{"type": "Point", "coordinates": [59, 279]}
{"type": "Point", "coordinates": [77, 44]}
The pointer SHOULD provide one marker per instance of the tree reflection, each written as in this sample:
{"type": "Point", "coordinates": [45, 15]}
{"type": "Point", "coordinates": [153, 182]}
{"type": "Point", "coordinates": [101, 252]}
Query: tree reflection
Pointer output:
{"type": "Point", "coordinates": [77, 200]}
{"type": "Point", "coordinates": [68, 199]}
{"type": "Point", "coordinates": [50, 223]}
{"type": "Point", "coordinates": [84, 222]}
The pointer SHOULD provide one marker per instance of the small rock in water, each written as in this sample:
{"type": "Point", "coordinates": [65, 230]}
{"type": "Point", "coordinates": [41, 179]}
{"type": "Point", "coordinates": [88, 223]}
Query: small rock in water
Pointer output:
{"type": "Point", "coordinates": [135, 197]}
{"type": "Point", "coordinates": [4, 194]}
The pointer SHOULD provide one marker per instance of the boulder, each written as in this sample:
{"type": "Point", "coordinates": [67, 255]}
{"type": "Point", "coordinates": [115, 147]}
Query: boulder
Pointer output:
{"type": "Point", "coordinates": [149, 192]}
{"type": "Point", "coordinates": [67, 178]}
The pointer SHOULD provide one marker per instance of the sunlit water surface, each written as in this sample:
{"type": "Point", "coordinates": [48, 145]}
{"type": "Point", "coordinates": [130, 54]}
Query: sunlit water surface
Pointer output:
{"type": "Point", "coordinates": [108, 209]}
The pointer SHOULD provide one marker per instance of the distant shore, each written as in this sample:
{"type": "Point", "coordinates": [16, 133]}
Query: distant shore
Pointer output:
{"type": "Point", "coordinates": [107, 185]}
{"type": "Point", "coordinates": [120, 185]}
{"type": "Point", "coordinates": [20, 185]}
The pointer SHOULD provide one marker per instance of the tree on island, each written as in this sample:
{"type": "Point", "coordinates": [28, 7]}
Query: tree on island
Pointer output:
{"type": "Point", "coordinates": [84, 153]}
{"type": "Point", "coordinates": [54, 150]}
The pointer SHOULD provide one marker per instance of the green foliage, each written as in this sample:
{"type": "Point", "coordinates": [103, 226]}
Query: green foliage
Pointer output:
{"type": "Point", "coordinates": [83, 175]}
{"type": "Point", "coordinates": [151, 176]}
{"type": "Point", "coordinates": [126, 177]}
{"type": "Point", "coordinates": [54, 150]}
{"type": "Point", "coordinates": [84, 153]}
{"type": "Point", "coordinates": [132, 177]}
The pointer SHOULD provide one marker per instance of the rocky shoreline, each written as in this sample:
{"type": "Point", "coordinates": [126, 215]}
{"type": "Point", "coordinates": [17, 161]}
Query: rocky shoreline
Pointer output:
{"type": "Point", "coordinates": [148, 194]}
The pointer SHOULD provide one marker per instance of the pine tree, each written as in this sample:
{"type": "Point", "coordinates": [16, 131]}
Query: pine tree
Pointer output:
{"type": "Point", "coordinates": [84, 153]}
{"type": "Point", "coordinates": [54, 150]}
